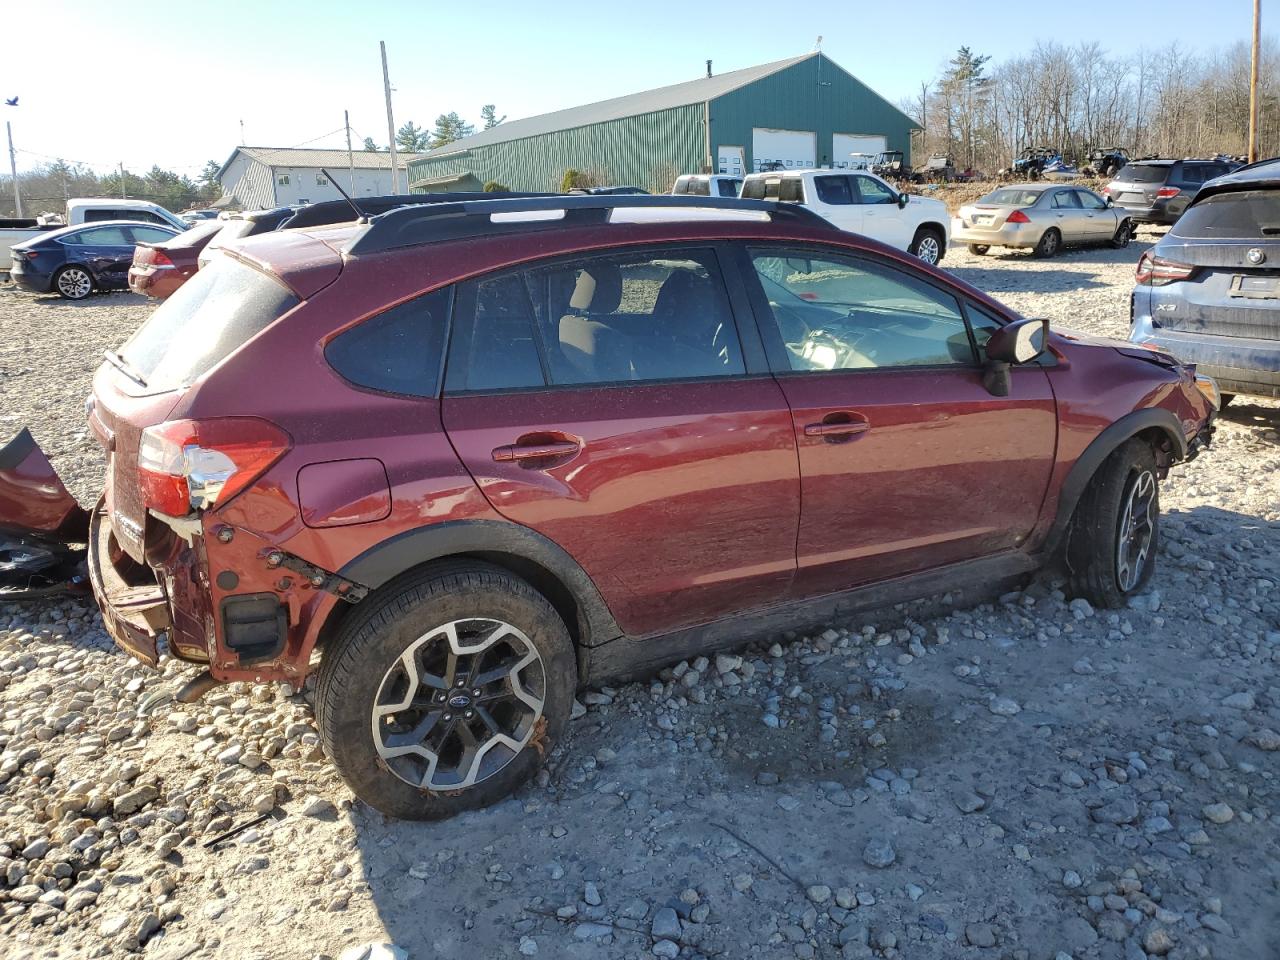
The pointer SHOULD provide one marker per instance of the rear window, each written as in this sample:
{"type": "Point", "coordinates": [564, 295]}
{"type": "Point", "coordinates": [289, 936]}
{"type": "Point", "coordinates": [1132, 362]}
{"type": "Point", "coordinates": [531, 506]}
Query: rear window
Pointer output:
{"type": "Point", "coordinates": [1012, 197]}
{"type": "Point", "coordinates": [209, 316]}
{"type": "Point", "coordinates": [231, 230]}
{"type": "Point", "coordinates": [1144, 173]}
{"type": "Point", "coordinates": [1246, 214]}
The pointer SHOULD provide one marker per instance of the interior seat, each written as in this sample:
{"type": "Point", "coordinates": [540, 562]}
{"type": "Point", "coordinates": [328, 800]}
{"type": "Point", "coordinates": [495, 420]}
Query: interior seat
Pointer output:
{"type": "Point", "coordinates": [595, 351]}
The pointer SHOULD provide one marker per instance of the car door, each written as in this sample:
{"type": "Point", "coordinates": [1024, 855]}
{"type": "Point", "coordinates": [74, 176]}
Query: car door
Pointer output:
{"type": "Point", "coordinates": [1100, 221]}
{"type": "Point", "coordinates": [835, 199]}
{"type": "Point", "coordinates": [1067, 215]}
{"type": "Point", "coordinates": [106, 250]}
{"type": "Point", "coordinates": [609, 402]}
{"type": "Point", "coordinates": [907, 461]}
{"type": "Point", "coordinates": [882, 218]}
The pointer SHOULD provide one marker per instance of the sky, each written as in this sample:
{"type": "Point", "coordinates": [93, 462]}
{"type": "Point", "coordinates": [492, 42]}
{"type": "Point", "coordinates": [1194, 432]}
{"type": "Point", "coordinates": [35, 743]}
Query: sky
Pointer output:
{"type": "Point", "coordinates": [170, 84]}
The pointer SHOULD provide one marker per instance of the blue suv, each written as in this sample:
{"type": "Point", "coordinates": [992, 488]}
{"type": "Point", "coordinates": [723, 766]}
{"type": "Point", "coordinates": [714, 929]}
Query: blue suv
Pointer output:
{"type": "Point", "coordinates": [1209, 291]}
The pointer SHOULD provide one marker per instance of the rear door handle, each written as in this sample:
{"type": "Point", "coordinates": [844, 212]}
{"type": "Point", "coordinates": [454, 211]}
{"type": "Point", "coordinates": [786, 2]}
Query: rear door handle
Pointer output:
{"type": "Point", "coordinates": [552, 450]}
{"type": "Point", "coordinates": [834, 431]}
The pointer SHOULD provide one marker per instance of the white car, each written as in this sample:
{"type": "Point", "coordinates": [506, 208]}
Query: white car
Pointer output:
{"type": "Point", "coordinates": [861, 202]}
{"type": "Point", "coordinates": [706, 185]}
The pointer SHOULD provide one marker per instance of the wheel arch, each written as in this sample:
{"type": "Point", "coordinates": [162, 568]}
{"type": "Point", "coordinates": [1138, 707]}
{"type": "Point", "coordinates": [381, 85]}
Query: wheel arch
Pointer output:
{"type": "Point", "coordinates": [543, 564]}
{"type": "Point", "coordinates": [1158, 426]}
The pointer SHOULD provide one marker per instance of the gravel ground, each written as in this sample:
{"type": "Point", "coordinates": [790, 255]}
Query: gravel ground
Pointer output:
{"type": "Point", "coordinates": [1023, 778]}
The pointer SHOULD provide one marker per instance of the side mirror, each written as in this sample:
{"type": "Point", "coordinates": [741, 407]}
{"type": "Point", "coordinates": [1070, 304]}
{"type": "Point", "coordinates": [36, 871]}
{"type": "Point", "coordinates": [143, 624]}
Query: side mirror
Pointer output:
{"type": "Point", "coordinates": [903, 200]}
{"type": "Point", "coordinates": [1019, 342]}
{"type": "Point", "coordinates": [1110, 202]}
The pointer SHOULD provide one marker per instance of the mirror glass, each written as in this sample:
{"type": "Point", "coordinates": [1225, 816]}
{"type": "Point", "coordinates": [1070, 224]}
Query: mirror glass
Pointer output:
{"type": "Point", "coordinates": [1029, 343]}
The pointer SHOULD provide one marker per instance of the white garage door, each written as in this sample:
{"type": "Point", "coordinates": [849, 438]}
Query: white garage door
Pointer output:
{"type": "Point", "coordinates": [793, 149]}
{"type": "Point", "coordinates": [844, 144]}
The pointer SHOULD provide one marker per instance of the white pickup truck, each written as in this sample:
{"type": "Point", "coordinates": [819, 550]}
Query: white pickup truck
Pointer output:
{"type": "Point", "coordinates": [861, 202]}
{"type": "Point", "coordinates": [84, 210]}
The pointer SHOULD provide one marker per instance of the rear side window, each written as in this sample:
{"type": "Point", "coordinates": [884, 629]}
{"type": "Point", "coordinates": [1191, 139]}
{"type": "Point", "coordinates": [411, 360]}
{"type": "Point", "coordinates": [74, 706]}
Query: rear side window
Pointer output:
{"type": "Point", "coordinates": [101, 236]}
{"type": "Point", "coordinates": [209, 316]}
{"type": "Point", "coordinates": [1144, 173]}
{"type": "Point", "coordinates": [1246, 214]}
{"type": "Point", "coordinates": [833, 190]}
{"type": "Point", "coordinates": [398, 351]}
{"type": "Point", "coordinates": [730, 188]}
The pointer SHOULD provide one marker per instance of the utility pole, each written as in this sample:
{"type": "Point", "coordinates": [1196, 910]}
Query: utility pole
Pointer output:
{"type": "Point", "coordinates": [351, 160]}
{"type": "Point", "coordinates": [13, 169]}
{"type": "Point", "coordinates": [391, 123]}
{"type": "Point", "coordinates": [122, 194]}
{"type": "Point", "coordinates": [1253, 82]}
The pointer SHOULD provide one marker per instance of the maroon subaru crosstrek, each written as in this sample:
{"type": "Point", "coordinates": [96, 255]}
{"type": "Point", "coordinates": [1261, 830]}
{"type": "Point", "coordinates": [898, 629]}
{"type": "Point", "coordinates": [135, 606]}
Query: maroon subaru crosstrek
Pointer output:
{"type": "Point", "coordinates": [476, 455]}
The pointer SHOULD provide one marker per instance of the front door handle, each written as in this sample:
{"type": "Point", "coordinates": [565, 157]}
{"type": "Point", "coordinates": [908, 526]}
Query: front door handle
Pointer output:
{"type": "Point", "coordinates": [544, 451]}
{"type": "Point", "coordinates": [837, 427]}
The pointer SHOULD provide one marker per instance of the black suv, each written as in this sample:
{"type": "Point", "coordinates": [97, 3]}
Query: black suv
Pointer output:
{"type": "Point", "coordinates": [1157, 191]}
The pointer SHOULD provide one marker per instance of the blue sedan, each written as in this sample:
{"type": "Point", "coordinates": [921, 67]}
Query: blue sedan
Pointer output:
{"type": "Point", "coordinates": [76, 261]}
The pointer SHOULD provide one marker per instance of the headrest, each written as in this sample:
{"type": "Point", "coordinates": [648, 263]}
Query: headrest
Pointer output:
{"type": "Point", "coordinates": [598, 290]}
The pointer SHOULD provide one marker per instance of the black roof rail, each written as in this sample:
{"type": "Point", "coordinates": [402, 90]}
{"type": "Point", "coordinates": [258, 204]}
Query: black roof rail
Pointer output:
{"type": "Point", "coordinates": [465, 219]}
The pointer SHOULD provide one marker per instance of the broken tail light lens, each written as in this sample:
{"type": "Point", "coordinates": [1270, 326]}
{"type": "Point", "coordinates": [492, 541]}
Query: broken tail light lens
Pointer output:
{"type": "Point", "coordinates": [1165, 193]}
{"type": "Point", "coordinates": [1017, 217]}
{"type": "Point", "coordinates": [1157, 271]}
{"type": "Point", "coordinates": [186, 465]}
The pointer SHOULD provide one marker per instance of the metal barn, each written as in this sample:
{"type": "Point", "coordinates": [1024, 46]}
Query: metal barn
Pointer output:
{"type": "Point", "coordinates": [802, 112]}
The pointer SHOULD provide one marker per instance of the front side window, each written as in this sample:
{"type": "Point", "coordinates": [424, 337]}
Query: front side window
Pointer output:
{"type": "Point", "coordinates": [398, 351]}
{"type": "Point", "coordinates": [833, 190]}
{"type": "Point", "coordinates": [150, 234]}
{"type": "Point", "coordinates": [871, 190]}
{"type": "Point", "coordinates": [1091, 201]}
{"type": "Point", "coordinates": [849, 314]}
{"type": "Point", "coordinates": [614, 319]}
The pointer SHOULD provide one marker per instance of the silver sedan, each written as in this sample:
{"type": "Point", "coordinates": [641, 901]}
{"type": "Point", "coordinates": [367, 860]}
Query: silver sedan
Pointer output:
{"type": "Point", "coordinates": [1044, 217]}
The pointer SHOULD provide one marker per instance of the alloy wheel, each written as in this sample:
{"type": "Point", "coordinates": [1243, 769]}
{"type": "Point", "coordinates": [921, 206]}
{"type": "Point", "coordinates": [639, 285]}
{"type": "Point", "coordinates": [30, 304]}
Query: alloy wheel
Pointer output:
{"type": "Point", "coordinates": [927, 249]}
{"type": "Point", "coordinates": [1136, 530]}
{"type": "Point", "coordinates": [74, 283]}
{"type": "Point", "coordinates": [460, 703]}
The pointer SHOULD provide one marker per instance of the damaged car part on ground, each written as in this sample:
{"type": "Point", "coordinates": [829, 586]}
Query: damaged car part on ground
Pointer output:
{"type": "Point", "coordinates": [668, 373]}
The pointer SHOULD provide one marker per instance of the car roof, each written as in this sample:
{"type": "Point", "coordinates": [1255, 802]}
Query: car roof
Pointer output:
{"type": "Point", "coordinates": [110, 202]}
{"type": "Point", "coordinates": [77, 227]}
{"type": "Point", "coordinates": [1034, 187]}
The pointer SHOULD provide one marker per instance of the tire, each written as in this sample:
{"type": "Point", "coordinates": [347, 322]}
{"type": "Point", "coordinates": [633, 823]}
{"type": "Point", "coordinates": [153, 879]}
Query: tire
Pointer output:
{"type": "Point", "coordinates": [73, 283]}
{"type": "Point", "coordinates": [928, 245]}
{"type": "Point", "coordinates": [979, 249]}
{"type": "Point", "coordinates": [1124, 233]}
{"type": "Point", "coordinates": [454, 616]}
{"type": "Point", "coordinates": [1115, 533]}
{"type": "Point", "coordinates": [1050, 243]}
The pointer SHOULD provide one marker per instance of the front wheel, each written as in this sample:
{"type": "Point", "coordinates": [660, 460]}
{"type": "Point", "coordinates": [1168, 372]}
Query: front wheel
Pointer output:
{"type": "Point", "coordinates": [447, 692]}
{"type": "Point", "coordinates": [1115, 533]}
{"type": "Point", "coordinates": [979, 249]}
{"type": "Point", "coordinates": [74, 283]}
{"type": "Point", "coordinates": [1124, 233]}
{"type": "Point", "coordinates": [927, 245]}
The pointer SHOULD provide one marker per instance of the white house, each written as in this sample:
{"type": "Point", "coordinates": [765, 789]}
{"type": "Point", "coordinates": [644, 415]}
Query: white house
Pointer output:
{"type": "Point", "coordinates": [259, 178]}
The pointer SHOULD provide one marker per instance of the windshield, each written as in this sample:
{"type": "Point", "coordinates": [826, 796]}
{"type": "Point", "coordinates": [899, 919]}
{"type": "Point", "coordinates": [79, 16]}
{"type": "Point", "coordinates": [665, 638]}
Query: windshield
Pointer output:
{"type": "Point", "coordinates": [1012, 197]}
{"type": "Point", "coordinates": [1251, 214]}
{"type": "Point", "coordinates": [209, 316]}
{"type": "Point", "coordinates": [1144, 173]}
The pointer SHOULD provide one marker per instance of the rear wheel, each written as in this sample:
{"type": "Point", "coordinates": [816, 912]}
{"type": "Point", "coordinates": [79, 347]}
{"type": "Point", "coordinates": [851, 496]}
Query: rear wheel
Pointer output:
{"type": "Point", "coordinates": [447, 692]}
{"type": "Point", "coordinates": [978, 249]}
{"type": "Point", "coordinates": [927, 245]}
{"type": "Point", "coordinates": [1124, 233]}
{"type": "Point", "coordinates": [73, 283]}
{"type": "Point", "coordinates": [1050, 243]}
{"type": "Point", "coordinates": [1115, 533]}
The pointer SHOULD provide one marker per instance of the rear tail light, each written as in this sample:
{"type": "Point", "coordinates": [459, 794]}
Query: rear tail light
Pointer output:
{"type": "Point", "coordinates": [32, 254]}
{"type": "Point", "coordinates": [160, 259]}
{"type": "Point", "coordinates": [1157, 271]}
{"type": "Point", "coordinates": [186, 465]}
{"type": "Point", "coordinates": [1017, 217]}
{"type": "Point", "coordinates": [1164, 193]}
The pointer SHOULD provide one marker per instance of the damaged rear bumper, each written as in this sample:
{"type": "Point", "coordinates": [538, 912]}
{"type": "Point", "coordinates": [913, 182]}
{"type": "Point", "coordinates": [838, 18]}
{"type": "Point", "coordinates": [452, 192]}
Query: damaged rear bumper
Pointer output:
{"type": "Point", "coordinates": [135, 615]}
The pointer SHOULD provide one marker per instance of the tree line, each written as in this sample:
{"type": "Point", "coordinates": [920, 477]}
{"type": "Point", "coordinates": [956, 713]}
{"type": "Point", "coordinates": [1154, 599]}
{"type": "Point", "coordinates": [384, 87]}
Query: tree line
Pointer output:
{"type": "Point", "coordinates": [47, 188]}
{"type": "Point", "coordinates": [411, 138]}
{"type": "Point", "coordinates": [1167, 102]}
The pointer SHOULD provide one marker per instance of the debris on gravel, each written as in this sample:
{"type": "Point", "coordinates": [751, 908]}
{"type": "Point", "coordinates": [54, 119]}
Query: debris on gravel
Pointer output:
{"type": "Point", "coordinates": [1008, 775]}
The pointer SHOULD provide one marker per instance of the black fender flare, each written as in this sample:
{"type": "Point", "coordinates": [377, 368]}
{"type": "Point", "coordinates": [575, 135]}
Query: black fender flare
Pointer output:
{"type": "Point", "coordinates": [497, 541]}
{"type": "Point", "coordinates": [1101, 447]}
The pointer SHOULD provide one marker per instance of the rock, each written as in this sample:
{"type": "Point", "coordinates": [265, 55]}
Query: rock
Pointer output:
{"type": "Point", "coordinates": [113, 924]}
{"type": "Point", "coordinates": [666, 925]}
{"type": "Point", "coordinates": [1239, 701]}
{"type": "Point", "coordinates": [1070, 778]}
{"type": "Point", "coordinates": [1080, 608]}
{"type": "Point", "coordinates": [231, 754]}
{"type": "Point", "coordinates": [742, 882]}
{"type": "Point", "coordinates": [591, 895]}
{"type": "Point", "coordinates": [1079, 934]}
{"type": "Point", "coordinates": [28, 893]}
{"type": "Point", "coordinates": [1004, 707]}
{"type": "Point", "coordinates": [1157, 942]}
{"type": "Point", "coordinates": [980, 935]}
{"type": "Point", "coordinates": [1264, 739]}
{"type": "Point", "coordinates": [1211, 921]}
{"type": "Point", "coordinates": [819, 893]}
{"type": "Point", "coordinates": [969, 802]}
{"type": "Point", "coordinates": [316, 806]}
{"type": "Point", "coordinates": [577, 711]}
{"type": "Point", "coordinates": [528, 947]}
{"type": "Point", "coordinates": [666, 949]}
{"type": "Point", "coordinates": [1218, 813]}
{"type": "Point", "coordinates": [879, 853]}
{"type": "Point", "coordinates": [1119, 810]}
{"type": "Point", "coordinates": [134, 800]}
{"type": "Point", "coordinates": [589, 931]}
{"type": "Point", "coordinates": [374, 951]}
{"type": "Point", "coordinates": [1071, 880]}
